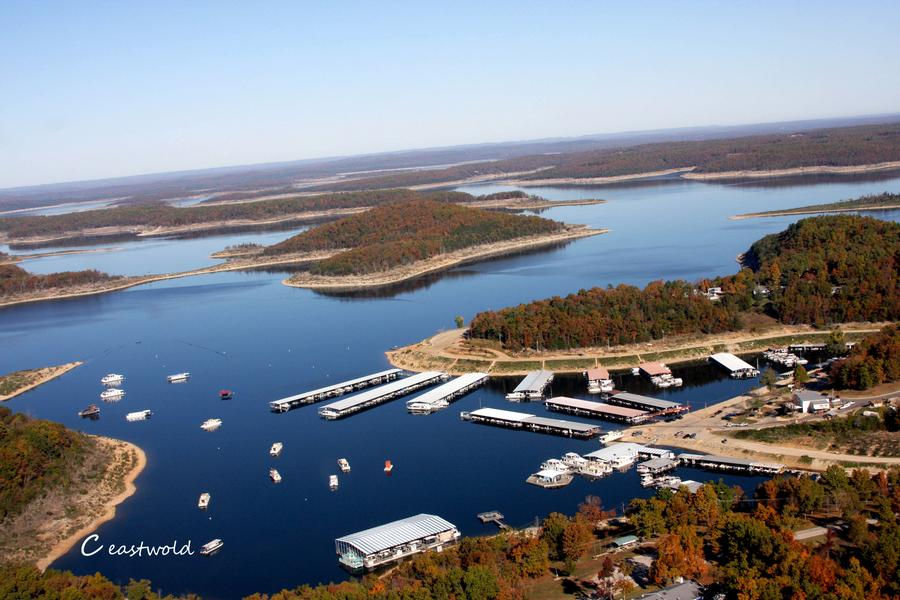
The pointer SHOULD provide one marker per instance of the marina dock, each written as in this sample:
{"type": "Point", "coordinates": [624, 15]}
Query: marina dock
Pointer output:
{"type": "Point", "coordinates": [727, 463]}
{"type": "Point", "coordinates": [654, 406]}
{"type": "Point", "coordinates": [737, 368]}
{"type": "Point", "coordinates": [493, 516]}
{"type": "Point", "coordinates": [532, 387]}
{"type": "Point", "coordinates": [529, 422]}
{"type": "Point", "coordinates": [332, 391]}
{"type": "Point", "coordinates": [441, 396]}
{"type": "Point", "coordinates": [391, 542]}
{"type": "Point", "coordinates": [596, 410]}
{"type": "Point", "coordinates": [395, 389]}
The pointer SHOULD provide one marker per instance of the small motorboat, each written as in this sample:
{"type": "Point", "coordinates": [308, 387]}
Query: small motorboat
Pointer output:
{"type": "Point", "coordinates": [275, 475]}
{"type": "Point", "coordinates": [112, 394]}
{"type": "Point", "coordinates": [112, 379]}
{"type": "Point", "coordinates": [211, 424]}
{"type": "Point", "coordinates": [178, 377]}
{"type": "Point", "coordinates": [333, 482]}
{"type": "Point", "coordinates": [275, 450]}
{"type": "Point", "coordinates": [344, 465]}
{"type": "Point", "coordinates": [91, 411]}
{"type": "Point", "coordinates": [203, 502]}
{"type": "Point", "coordinates": [226, 394]}
{"type": "Point", "coordinates": [388, 467]}
{"type": "Point", "coordinates": [210, 548]}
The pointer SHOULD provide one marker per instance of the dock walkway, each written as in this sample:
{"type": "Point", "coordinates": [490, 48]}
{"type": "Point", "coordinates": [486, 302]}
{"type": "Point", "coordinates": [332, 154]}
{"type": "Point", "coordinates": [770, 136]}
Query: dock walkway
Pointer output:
{"type": "Point", "coordinates": [532, 387]}
{"type": "Point", "coordinates": [529, 422]}
{"type": "Point", "coordinates": [395, 389]}
{"type": "Point", "coordinates": [335, 390]}
{"type": "Point", "coordinates": [441, 396]}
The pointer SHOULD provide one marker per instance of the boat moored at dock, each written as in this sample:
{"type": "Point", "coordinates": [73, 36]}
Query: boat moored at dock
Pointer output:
{"type": "Point", "coordinates": [211, 547]}
{"type": "Point", "coordinates": [529, 422]}
{"type": "Point", "coordinates": [599, 381]}
{"type": "Point", "coordinates": [335, 390]}
{"type": "Point", "coordinates": [737, 368]}
{"type": "Point", "coordinates": [391, 542]}
{"type": "Point", "coordinates": [531, 387]}
{"type": "Point", "coordinates": [112, 394]}
{"type": "Point", "coordinates": [611, 436]}
{"type": "Point", "coordinates": [441, 396]}
{"type": "Point", "coordinates": [275, 450]}
{"type": "Point", "coordinates": [203, 501]}
{"type": "Point", "coordinates": [211, 424]}
{"type": "Point", "coordinates": [178, 377]}
{"type": "Point", "coordinates": [140, 415]}
{"type": "Point", "coordinates": [112, 379]}
{"type": "Point", "coordinates": [379, 395]}
{"type": "Point", "coordinates": [550, 478]}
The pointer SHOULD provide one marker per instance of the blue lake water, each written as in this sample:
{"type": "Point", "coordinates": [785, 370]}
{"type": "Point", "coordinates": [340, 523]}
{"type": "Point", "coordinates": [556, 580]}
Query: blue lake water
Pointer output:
{"type": "Point", "coordinates": [247, 332]}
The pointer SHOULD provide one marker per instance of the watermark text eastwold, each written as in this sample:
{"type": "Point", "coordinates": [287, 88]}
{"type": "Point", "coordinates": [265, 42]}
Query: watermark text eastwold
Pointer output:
{"type": "Point", "coordinates": [90, 547]}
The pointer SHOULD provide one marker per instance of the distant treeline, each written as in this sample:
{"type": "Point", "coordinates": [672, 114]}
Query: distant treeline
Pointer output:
{"type": "Point", "coordinates": [400, 233]}
{"type": "Point", "coordinates": [873, 361]}
{"type": "Point", "coordinates": [844, 146]}
{"type": "Point", "coordinates": [35, 455]}
{"type": "Point", "coordinates": [165, 215]}
{"type": "Point", "coordinates": [875, 200]}
{"type": "Point", "coordinates": [820, 270]}
{"type": "Point", "coordinates": [15, 280]}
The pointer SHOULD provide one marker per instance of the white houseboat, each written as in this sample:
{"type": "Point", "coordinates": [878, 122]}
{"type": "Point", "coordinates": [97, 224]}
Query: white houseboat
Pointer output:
{"type": "Point", "coordinates": [141, 415]}
{"type": "Point", "coordinates": [211, 424]}
{"type": "Point", "coordinates": [203, 502]}
{"type": "Point", "coordinates": [211, 547]}
{"type": "Point", "coordinates": [112, 379]}
{"type": "Point", "coordinates": [112, 394]}
{"type": "Point", "coordinates": [177, 377]}
{"type": "Point", "coordinates": [275, 450]}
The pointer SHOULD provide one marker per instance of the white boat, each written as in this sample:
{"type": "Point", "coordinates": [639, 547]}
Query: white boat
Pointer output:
{"type": "Point", "coordinates": [211, 424]}
{"type": "Point", "coordinates": [647, 480]}
{"type": "Point", "coordinates": [333, 482]}
{"type": "Point", "coordinates": [554, 464]}
{"type": "Point", "coordinates": [603, 386]}
{"type": "Point", "coordinates": [275, 450]}
{"type": "Point", "coordinates": [550, 479]}
{"type": "Point", "coordinates": [112, 379]}
{"type": "Point", "coordinates": [610, 436]}
{"type": "Point", "coordinates": [203, 502]}
{"type": "Point", "coordinates": [573, 460]}
{"type": "Point", "coordinates": [141, 415]}
{"type": "Point", "coordinates": [635, 371]}
{"type": "Point", "coordinates": [178, 377]}
{"type": "Point", "coordinates": [425, 408]}
{"type": "Point", "coordinates": [112, 394]}
{"type": "Point", "coordinates": [621, 463]}
{"type": "Point", "coordinates": [677, 381]}
{"type": "Point", "coordinates": [595, 468]}
{"type": "Point", "coordinates": [275, 475]}
{"type": "Point", "coordinates": [668, 481]}
{"type": "Point", "coordinates": [211, 547]}
{"type": "Point", "coordinates": [344, 465]}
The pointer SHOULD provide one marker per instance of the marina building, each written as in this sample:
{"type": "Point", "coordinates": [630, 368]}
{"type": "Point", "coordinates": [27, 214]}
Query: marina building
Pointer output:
{"type": "Point", "coordinates": [654, 406]}
{"type": "Point", "coordinates": [441, 396]}
{"type": "Point", "coordinates": [737, 368]}
{"type": "Point", "coordinates": [529, 422]}
{"type": "Point", "coordinates": [372, 548]}
{"type": "Point", "coordinates": [807, 401]}
{"type": "Point", "coordinates": [596, 410]}
{"type": "Point", "coordinates": [532, 387]}
{"type": "Point", "coordinates": [395, 389]}
{"type": "Point", "coordinates": [618, 456]}
{"type": "Point", "coordinates": [332, 391]}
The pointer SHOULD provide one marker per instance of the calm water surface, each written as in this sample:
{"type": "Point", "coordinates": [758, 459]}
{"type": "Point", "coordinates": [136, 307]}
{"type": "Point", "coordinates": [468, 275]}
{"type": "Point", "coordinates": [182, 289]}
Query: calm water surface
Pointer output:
{"type": "Point", "coordinates": [247, 332]}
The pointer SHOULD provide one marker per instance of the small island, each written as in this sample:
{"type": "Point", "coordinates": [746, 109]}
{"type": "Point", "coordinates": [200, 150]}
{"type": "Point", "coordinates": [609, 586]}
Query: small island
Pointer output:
{"type": "Point", "coordinates": [885, 201]}
{"type": "Point", "coordinates": [59, 486]}
{"type": "Point", "coordinates": [400, 241]}
{"type": "Point", "coordinates": [19, 382]}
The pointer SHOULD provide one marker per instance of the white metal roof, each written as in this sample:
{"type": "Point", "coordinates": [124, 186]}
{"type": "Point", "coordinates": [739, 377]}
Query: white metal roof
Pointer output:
{"type": "Point", "coordinates": [396, 533]}
{"type": "Point", "coordinates": [496, 413]}
{"type": "Point", "coordinates": [548, 473]}
{"type": "Point", "coordinates": [439, 393]}
{"type": "Point", "coordinates": [598, 407]}
{"type": "Point", "coordinates": [627, 449]}
{"type": "Point", "coordinates": [335, 386]}
{"type": "Point", "coordinates": [645, 400]}
{"type": "Point", "coordinates": [535, 381]}
{"type": "Point", "coordinates": [382, 390]}
{"type": "Point", "coordinates": [731, 362]}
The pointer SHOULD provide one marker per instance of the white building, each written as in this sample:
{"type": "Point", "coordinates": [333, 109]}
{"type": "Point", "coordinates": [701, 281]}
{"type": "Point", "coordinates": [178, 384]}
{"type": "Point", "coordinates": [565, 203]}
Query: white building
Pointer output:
{"type": "Point", "coordinates": [806, 401]}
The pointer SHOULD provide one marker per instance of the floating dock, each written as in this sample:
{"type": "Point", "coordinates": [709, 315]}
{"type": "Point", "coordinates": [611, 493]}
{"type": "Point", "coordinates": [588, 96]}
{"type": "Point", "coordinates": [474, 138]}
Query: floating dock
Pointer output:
{"type": "Point", "coordinates": [653, 406]}
{"type": "Point", "coordinates": [737, 368]}
{"type": "Point", "coordinates": [441, 396]}
{"type": "Point", "coordinates": [332, 391]}
{"type": "Point", "coordinates": [366, 550]}
{"type": "Point", "coordinates": [654, 369]}
{"type": "Point", "coordinates": [395, 389]}
{"type": "Point", "coordinates": [596, 410]}
{"type": "Point", "coordinates": [654, 466]}
{"type": "Point", "coordinates": [532, 387]}
{"type": "Point", "coordinates": [727, 463]}
{"type": "Point", "coordinates": [518, 420]}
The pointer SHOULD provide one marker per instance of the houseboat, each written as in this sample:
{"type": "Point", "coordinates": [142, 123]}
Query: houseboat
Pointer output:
{"type": "Point", "coordinates": [550, 478]}
{"type": "Point", "coordinates": [599, 381]}
{"type": "Point", "coordinates": [647, 480]}
{"type": "Point", "coordinates": [203, 502]}
{"type": "Point", "coordinates": [333, 482]}
{"type": "Point", "coordinates": [610, 436]}
{"type": "Point", "coordinates": [91, 411]}
{"type": "Point", "coordinates": [275, 450]}
{"type": "Point", "coordinates": [210, 548]}
{"type": "Point", "coordinates": [112, 379]}
{"type": "Point", "coordinates": [554, 464]}
{"type": "Point", "coordinates": [112, 394]}
{"type": "Point", "coordinates": [141, 415]}
{"type": "Point", "coordinates": [344, 465]}
{"type": "Point", "coordinates": [595, 469]}
{"type": "Point", "coordinates": [573, 460]}
{"type": "Point", "coordinates": [211, 424]}
{"type": "Point", "coordinates": [274, 475]}
{"type": "Point", "coordinates": [178, 377]}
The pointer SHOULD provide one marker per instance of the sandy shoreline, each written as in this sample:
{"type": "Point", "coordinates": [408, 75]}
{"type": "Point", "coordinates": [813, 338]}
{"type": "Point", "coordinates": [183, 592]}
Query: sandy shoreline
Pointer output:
{"type": "Point", "coordinates": [813, 170]}
{"type": "Point", "coordinates": [109, 507]}
{"type": "Point", "coordinates": [595, 180]}
{"type": "Point", "coordinates": [801, 211]}
{"type": "Point", "coordinates": [438, 263]}
{"type": "Point", "coordinates": [52, 373]}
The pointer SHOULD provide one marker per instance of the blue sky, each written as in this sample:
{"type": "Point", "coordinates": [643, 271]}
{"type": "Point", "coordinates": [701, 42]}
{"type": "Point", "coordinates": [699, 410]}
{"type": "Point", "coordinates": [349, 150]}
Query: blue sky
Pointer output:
{"type": "Point", "coordinates": [101, 89]}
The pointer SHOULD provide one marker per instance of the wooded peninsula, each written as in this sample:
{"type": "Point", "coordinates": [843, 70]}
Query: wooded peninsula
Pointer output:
{"type": "Point", "coordinates": [884, 201]}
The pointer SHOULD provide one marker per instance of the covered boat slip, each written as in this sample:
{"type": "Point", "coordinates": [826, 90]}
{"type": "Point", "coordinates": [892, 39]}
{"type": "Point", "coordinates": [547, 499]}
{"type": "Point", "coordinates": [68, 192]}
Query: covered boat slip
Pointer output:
{"type": "Point", "coordinates": [532, 387]}
{"type": "Point", "coordinates": [737, 367]}
{"type": "Point", "coordinates": [596, 410]}
{"type": "Point", "coordinates": [727, 463]}
{"type": "Point", "coordinates": [383, 393]}
{"type": "Point", "coordinates": [332, 391]}
{"type": "Point", "coordinates": [393, 541]}
{"type": "Point", "coordinates": [529, 422]}
{"type": "Point", "coordinates": [654, 406]}
{"type": "Point", "coordinates": [441, 396]}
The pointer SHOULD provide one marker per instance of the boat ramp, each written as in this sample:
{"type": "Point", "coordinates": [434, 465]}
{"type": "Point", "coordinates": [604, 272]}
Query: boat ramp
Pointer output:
{"type": "Point", "coordinates": [532, 387]}
{"type": "Point", "coordinates": [441, 396]}
{"type": "Point", "coordinates": [332, 391]}
{"type": "Point", "coordinates": [529, 422]}
{"type": "Point", "coordinates": [395, 389]}
{"type": "Point", "coordinates": [597, 410]}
